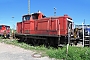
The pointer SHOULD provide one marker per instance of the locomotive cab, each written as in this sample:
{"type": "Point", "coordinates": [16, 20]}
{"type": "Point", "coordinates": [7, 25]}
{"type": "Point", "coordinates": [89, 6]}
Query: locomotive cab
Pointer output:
{"type": "Point", "coordinates": [70, 24]}
{"type": "Point", "coordinates": [33, 16]}
{"type": "Point", "coordinates": [37, 15]}
{"type": "Point", "coordinates": [70, 27]}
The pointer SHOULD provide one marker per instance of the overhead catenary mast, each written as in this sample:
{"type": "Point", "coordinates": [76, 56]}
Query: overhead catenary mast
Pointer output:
{"type": "Point", "coordinates": [28, 6]}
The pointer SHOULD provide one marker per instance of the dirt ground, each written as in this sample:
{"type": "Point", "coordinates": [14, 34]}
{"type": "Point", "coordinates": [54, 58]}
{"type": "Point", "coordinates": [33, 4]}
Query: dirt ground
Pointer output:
{"type": "Point", "coordinates": [11, 52]}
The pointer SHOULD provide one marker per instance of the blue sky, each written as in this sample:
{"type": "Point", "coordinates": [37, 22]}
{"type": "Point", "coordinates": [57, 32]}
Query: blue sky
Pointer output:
{"type": "Point", "coordinates": [78, 10]}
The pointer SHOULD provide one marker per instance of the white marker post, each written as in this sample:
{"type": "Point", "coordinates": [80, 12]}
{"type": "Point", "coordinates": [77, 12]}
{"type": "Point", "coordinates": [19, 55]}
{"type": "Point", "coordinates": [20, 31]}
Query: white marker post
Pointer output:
{"type": "Point", "coordinates": [83, 33]}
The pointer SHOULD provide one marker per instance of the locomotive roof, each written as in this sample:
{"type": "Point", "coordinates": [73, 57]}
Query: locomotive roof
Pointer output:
{"type": "Point", "coordinates": [26, 14]}
{"type": "Point", "coordinates": [3, 25]}
{"type": "Point", "coordinates": [58, 17]}
{"type": "Point", "coordinates": [30, 14]}
{"type": "Point", "coordinates": [65, 15]}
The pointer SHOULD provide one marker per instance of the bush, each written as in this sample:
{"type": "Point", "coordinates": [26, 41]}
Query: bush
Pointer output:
{"type": "Point", "coordinates": [74, 53]}
{"type": "Point", "coordinates": [57, 53]}
{"type": "Point", "coordinates": [78, 53]}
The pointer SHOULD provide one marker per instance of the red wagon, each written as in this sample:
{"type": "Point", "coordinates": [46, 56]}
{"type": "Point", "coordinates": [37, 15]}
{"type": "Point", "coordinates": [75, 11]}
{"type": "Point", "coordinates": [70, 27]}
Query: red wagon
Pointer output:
{"type": "Point", "coordinates": [5, 31]}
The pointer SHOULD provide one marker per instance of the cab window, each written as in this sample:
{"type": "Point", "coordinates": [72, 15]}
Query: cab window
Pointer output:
{"type": "Point", "coordinates": [27, 17]}
{"type": "Point", "coordinates": [0, 27]}
{"type": "Point", "coordinates": [35, 16]}
{"type": "Point", "coordinates": [7, 27]}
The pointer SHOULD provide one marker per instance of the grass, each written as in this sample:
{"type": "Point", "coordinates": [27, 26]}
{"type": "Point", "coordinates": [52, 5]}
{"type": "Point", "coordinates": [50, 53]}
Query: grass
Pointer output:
{"type": "Point", "coordinates": [23, 45]}
{"type": "Point", "coordinates": [1, 37]}
{"type": "Point", "coordinates": [74, 53]}
{"type": "Point", "coordinates": [37, 49]}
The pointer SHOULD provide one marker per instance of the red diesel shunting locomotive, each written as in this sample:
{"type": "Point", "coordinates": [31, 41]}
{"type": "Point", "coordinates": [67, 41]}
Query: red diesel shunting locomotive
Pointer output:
{"type": "Point", "coordinates": [5, 31]}
{"type": "Point", "coordinates": [39, 29]}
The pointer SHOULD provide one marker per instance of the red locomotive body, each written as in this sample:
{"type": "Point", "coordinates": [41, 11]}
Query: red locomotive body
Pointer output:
{"type": "Point", "coordinates": [5, 31]}
{"type": "Point", "coordinates": [39, 25]}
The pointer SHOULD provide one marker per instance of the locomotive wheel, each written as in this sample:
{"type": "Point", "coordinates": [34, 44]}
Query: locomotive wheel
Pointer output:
{"type": "Point", "coordinates": [50, 41]}
{"type": "Point", "coordinates": [4, 36]}
{"type": "Point", "coordinates": [20, 40]}
{"type": "Point", "coordinates": [8, 36]}
{"type": "Point", "coordinates": [34, 41]}
{"type": "Point", "coordinates": [46, 44]}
